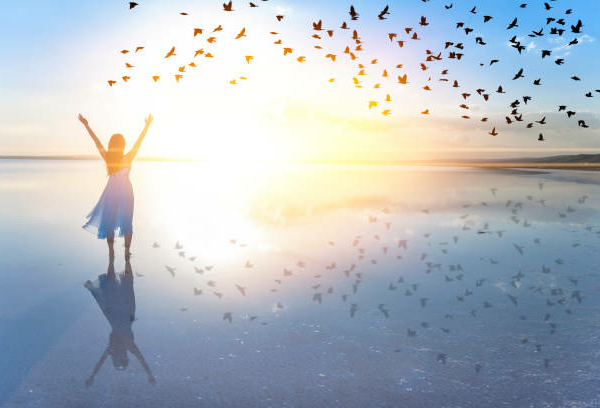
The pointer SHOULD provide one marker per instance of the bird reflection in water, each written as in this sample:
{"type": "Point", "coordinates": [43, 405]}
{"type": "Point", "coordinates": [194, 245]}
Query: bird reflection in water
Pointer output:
{"type": "Point", "coordinates": [116, 298]}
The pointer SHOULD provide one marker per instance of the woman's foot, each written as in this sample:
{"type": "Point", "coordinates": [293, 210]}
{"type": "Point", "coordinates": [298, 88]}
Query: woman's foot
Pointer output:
{"type": "Point", "coordinates": [127, 254]}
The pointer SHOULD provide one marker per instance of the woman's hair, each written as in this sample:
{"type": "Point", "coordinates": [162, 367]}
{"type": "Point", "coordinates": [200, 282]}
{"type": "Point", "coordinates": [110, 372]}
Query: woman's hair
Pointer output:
{"type": "Point", "coordinates": [118, 352]}
{"type": "Point", "coordinates": [115, 153]}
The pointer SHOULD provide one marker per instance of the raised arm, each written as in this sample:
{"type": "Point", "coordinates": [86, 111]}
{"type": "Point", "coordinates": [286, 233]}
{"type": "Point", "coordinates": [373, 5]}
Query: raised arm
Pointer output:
{"type": "Point", "coordinates": [99, 364]}
{"type": "Point", "coordinates": [94, 137]}
{"type": "Point", "coordinates": [134, 150]}
{"type": "Point", "coordinates": [136, 352]}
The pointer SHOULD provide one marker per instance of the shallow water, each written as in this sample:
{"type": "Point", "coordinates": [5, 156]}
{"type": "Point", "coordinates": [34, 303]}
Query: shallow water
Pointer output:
{"type": "Point", "coordinates": [331, 291]}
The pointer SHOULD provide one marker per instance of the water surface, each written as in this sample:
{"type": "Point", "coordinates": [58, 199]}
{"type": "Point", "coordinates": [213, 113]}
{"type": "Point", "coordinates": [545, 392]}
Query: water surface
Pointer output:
{"type": "Point", "coordinates": [364, 286]}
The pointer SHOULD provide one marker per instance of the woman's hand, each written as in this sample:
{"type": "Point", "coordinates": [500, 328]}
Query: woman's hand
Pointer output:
{"type": "Point", "coordinates": [82, 119]}
{"type": "Point", "coordinates": [149, 120]}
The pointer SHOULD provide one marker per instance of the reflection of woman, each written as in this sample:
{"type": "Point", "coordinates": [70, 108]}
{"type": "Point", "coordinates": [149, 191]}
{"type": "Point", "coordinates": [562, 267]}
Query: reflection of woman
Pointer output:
{"type": "Point", "coordinates": [116, 298]}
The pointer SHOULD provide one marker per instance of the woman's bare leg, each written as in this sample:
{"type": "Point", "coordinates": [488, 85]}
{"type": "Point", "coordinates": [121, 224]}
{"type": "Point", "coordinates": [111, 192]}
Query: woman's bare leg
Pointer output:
{"type": "Point", "coordinates": [111, 249]}
{"type": "Point", "coordinates": [127, 245]}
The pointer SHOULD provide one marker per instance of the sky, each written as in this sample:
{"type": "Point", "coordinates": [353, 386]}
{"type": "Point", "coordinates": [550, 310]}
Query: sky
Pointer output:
{"type": "Point", "coordinates": [58, 57]}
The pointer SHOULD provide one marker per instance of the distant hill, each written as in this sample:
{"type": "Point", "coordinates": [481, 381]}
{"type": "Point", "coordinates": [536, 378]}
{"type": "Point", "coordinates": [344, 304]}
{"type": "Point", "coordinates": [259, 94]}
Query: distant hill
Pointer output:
{"type": "Point", "coordinates": [565, 159]}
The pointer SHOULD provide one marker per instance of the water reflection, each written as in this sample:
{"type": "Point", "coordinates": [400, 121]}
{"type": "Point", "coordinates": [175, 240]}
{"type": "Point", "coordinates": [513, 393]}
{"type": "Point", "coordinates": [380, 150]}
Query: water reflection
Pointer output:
{"type": "Point", "coordinates": [115, 296]}
{"type": "Point", "coordinates": [426, 288]}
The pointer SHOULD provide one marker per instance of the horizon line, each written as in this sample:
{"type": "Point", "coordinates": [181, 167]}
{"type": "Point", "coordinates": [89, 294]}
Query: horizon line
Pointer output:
{"type": "Point", "coordinates": [531, 162]}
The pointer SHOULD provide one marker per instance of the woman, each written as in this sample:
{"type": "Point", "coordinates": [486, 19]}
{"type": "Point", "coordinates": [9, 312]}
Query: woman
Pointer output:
{"type": "Point", "coordinates": [114, 211]}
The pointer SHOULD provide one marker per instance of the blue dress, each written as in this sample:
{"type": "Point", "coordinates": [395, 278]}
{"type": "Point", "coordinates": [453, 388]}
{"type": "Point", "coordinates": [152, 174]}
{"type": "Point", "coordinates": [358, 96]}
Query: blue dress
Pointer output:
{"type": "Point", "coordinates": [116, 298]}
{"type": "Point", "coordinates": [114, 211]}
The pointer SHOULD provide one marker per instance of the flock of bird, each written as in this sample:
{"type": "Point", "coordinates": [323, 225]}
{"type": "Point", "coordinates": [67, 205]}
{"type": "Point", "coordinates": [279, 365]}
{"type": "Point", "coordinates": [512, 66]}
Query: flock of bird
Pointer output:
{"type": "Point", "coordinates": [538, 286]}
{"type": "Point", "coordinates": [455, 51]}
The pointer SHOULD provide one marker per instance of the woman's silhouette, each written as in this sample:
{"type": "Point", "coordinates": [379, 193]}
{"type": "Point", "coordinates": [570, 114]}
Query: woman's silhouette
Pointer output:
{"type": "Point", "coordinates": [116, 298]}
{"type": "Point", "coordinates": [114, 211]}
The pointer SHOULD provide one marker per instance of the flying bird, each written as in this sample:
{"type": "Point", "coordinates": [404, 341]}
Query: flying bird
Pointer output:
{"type": "Point", "coordinates": [518, 74]}
{"type": "Point", "coordinates": [384, 12]}
{"type": "Point", "coordinates": [171, 53]}
{"type": "Point", "coordinates": [241, 34]}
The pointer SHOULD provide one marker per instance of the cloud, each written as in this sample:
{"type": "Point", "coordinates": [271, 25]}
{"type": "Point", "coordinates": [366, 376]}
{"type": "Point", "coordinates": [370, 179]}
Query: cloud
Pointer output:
{"type": "Point", "coordinates": [286, 11]}
{"type": "Point", "coordinates": [566, 48]}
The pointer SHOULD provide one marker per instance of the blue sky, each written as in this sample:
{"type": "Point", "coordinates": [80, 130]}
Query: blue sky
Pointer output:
{"type": "Point", "coordinates": [57, 57]}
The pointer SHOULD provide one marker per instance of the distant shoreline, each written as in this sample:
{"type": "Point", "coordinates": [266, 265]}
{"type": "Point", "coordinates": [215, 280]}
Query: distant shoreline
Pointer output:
{"type": "Point", "coordinates": [571, 162]}
{"type": "Point", "coordinates": [89, 158]}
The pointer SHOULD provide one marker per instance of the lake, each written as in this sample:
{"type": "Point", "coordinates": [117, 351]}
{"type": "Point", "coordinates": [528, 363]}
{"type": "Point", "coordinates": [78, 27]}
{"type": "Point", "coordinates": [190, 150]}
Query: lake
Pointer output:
{"type": "Point", "coordinates": [302, 286]}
